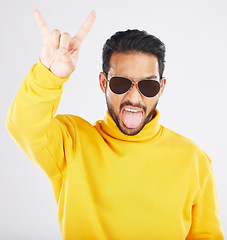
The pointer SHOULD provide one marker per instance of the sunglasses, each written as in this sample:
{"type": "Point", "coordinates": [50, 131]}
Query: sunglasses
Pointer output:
{"type": "Point", "coordinates": [147, 87]}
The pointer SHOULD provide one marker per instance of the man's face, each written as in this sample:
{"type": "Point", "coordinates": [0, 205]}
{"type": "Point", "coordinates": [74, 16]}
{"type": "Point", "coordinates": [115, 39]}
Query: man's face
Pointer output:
{"type": "Point", "coordinates": [131, 110]}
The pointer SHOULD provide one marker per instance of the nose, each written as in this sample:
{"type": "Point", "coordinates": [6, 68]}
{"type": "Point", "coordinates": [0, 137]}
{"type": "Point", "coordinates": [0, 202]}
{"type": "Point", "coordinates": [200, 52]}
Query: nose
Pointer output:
{"type": "Point", "coordinates": [134, 94]}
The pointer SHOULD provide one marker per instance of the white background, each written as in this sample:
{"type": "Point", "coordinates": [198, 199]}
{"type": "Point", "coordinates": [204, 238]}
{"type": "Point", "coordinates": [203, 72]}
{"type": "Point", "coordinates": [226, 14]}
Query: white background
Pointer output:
{"type": "Point", "coordinates": [193, 104]}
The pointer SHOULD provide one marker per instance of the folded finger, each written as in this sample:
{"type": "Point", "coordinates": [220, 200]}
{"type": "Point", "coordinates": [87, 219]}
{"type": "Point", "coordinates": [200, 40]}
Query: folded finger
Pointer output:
{"type": "Point", "coordinates": [65, 40]}
{"type": "Point", "coordinates": [55, 35]}
{"type": "Point", "coordinates": [41, 23]}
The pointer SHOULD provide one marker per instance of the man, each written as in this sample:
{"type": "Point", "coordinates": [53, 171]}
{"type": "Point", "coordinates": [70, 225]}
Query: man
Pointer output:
{"type": "Point", "coordinates": [126, 177]}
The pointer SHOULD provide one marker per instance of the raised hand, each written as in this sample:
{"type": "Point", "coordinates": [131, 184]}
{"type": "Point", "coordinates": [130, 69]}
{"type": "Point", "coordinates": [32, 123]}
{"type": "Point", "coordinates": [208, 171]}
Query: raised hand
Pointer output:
{"type": "Point", "coordinates": [59, 52]}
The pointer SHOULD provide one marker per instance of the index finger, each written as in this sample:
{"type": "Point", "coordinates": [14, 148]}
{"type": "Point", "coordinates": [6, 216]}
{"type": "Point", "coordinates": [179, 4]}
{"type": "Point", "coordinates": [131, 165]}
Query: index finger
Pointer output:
{"type": "Point", "coordinates": [41, 23]}
{"type": "Point", "coordinates": [85, 28]}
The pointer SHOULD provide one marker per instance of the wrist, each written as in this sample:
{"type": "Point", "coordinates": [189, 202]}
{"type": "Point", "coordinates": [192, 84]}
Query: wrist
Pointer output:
{"type": "Point", "coordinates": [46, 78]}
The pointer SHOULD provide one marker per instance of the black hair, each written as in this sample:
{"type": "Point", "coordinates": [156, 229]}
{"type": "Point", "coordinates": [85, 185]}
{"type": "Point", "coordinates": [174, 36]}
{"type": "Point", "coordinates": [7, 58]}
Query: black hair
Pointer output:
{"type": "Point", "coordinates": [133, 41]}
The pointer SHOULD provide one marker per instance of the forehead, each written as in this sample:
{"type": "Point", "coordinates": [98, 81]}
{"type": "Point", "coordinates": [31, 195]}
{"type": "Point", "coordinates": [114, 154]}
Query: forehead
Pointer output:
{"type": "Point", "coordinates": [133, 65]}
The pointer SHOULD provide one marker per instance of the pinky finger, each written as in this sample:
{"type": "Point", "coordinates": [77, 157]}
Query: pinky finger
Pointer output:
{"type": "Point", "coordinates": [75, 55]}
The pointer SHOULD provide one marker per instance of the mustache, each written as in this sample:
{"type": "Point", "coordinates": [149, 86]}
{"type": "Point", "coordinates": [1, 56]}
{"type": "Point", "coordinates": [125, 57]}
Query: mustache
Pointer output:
{"type": "Point", "coordinates": [128, 103]}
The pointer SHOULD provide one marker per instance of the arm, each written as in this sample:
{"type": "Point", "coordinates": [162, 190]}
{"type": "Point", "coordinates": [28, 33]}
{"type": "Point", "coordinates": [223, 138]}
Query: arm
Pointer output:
{"type": "Point", "coordinates": [30, 119]}
{"type": "Point", "coordinates": [205, 214]}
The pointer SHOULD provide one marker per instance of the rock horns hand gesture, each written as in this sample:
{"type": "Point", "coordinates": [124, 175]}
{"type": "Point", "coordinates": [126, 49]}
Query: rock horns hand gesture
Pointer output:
{"type": "Point", "coordinates": [59, 52]}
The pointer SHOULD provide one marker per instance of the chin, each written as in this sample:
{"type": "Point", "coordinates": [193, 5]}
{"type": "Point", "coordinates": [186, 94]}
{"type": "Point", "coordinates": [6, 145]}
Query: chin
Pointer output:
{"type": "Point", "coordinates": [131, 131]}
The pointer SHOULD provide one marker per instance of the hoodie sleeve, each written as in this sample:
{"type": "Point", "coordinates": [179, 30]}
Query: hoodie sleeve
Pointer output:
{"type": "Point", "coordinates": [31, 122]}
{"type": "Point", "coordinates": [205, 213]}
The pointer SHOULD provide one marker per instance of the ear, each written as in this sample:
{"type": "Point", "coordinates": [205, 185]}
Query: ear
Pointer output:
{"type": "Point", "coordinates": [163, 83]}
{"type": "Point", "coordinates": [102, 82]}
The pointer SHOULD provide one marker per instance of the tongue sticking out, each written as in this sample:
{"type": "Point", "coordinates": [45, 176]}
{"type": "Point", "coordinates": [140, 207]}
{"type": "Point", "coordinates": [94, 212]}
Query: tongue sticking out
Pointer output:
{"type": "Point", "coordinates": [132, 119]}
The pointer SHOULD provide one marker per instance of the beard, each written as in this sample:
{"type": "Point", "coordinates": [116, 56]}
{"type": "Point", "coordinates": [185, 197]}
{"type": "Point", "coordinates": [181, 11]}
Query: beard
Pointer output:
{"type": "Point", "coordinates": [130, 131]}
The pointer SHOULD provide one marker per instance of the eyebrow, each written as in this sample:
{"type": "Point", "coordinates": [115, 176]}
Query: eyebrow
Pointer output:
{"type": "Point", "coordinates": [147, 78]}
{"type": "Point", "coordinates": [151, 77]}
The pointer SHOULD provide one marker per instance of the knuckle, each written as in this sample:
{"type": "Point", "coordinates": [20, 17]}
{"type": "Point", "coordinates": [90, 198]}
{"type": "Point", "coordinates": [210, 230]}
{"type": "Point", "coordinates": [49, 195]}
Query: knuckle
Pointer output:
{"type": "Point", "coordinates": [56, 32]}
{"type": "Point", "coordinates": [65, 35]}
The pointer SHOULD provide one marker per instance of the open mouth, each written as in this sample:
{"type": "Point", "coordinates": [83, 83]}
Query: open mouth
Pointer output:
{"type": "Point", "coordinates": [132, 117]}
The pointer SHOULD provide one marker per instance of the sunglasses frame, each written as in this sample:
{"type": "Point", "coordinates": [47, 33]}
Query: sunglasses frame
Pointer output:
{"type": "Point", "coordinates": [135, 83]}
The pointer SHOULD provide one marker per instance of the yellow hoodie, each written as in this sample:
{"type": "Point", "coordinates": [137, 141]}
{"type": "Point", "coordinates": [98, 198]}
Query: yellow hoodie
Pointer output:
{"type": "Point", "coordinates": [107, 185]}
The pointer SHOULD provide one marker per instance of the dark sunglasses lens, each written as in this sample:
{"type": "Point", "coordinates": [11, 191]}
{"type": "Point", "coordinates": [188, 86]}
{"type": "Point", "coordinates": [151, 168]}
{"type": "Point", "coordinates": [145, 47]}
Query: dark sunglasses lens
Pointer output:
{"type": "Point", "coordinates": [120, 85]}
{"type": "Point", "coordinates": [149, 88]}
